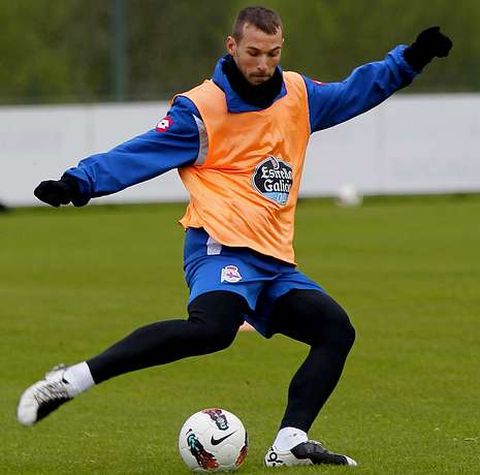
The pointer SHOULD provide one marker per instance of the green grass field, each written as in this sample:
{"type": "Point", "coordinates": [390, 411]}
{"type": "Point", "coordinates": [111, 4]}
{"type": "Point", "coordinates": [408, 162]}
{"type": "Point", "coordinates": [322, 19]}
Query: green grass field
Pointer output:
{"type": "Point", "coordinates": [72, 281]}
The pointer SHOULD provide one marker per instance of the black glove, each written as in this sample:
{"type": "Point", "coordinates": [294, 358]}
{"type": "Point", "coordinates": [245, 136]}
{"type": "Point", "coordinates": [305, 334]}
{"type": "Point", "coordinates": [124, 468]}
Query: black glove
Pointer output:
{"type": "Point", "coordinates": [430, 43]}
{"type": "Point", "coordinates": [60, 192]}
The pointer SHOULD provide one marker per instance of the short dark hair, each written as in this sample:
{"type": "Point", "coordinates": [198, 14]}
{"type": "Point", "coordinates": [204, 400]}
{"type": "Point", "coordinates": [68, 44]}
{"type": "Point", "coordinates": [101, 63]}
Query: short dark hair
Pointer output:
{"type": "Point", "coordinates": [263, 18]}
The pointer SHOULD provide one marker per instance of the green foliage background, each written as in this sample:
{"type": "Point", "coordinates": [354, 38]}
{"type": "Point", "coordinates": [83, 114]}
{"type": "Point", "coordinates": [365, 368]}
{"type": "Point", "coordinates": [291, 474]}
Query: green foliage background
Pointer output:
{"type": "Point", "coordinates": [60, 51]}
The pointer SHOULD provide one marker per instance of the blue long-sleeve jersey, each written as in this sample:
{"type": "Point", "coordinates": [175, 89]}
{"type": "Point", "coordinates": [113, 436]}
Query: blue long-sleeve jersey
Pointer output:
{"type": "Point", "coordinates": [180, 139]}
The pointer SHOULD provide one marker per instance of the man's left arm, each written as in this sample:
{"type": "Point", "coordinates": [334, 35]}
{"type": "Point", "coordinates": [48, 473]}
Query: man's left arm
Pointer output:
{"type": "Point", "coordinates": [369, 85]}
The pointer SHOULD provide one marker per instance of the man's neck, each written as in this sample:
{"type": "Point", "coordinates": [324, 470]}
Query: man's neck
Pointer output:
{"type": "Point", "coordinates": [262, 95]}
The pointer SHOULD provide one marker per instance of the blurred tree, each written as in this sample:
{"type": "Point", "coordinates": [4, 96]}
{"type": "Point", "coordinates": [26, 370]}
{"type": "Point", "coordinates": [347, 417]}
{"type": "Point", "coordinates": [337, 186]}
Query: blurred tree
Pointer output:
{"type": "Point", "coordinates": [172, 44]}
{"type": "Point", "coordinates": [52, 51]}
{"type": "Point", "coordinates": [33, 57]}
{"type": "Point", "coordinates": [89, 39]}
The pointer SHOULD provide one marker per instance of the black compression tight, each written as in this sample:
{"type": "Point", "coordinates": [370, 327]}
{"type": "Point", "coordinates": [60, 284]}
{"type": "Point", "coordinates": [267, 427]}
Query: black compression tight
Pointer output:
{"type": "Point", "coordinates": [309, 316]}
{"type": "Point", "coordinates": [213, 322]}
{"type": "Point", "coordinates": [314, 318]}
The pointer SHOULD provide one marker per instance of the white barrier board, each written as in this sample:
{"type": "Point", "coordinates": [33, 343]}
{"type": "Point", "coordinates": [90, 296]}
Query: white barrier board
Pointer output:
{"type": "Point", "coordinates": [409, 144]}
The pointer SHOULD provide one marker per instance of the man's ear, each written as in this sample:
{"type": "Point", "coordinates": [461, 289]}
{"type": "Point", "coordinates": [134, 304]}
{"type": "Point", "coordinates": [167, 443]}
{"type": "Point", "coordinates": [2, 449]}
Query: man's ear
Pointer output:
{"type": "Point", "coordinates": [231, 45]}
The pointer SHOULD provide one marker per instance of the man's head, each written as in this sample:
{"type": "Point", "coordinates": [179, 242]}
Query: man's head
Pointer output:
{"type": "Point", "coordinates": [256, 43]}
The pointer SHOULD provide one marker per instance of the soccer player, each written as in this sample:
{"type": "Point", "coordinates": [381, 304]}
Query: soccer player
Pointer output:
{"type": "Point", "coordinates": [238, 141]}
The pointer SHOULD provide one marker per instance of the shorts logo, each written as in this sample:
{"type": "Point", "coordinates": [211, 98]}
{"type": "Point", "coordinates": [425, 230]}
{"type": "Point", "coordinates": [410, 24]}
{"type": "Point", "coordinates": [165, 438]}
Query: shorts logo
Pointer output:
{"type": "Point", "coordinates": [164, 124]}
{"type": "Point", "coordinates": [230, 274]}
{"type": "Point", "coordinates": [273, 179]}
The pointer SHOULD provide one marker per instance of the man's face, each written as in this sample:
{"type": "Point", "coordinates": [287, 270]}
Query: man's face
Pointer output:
{"type": "Point", "coordinates": [257, 54]}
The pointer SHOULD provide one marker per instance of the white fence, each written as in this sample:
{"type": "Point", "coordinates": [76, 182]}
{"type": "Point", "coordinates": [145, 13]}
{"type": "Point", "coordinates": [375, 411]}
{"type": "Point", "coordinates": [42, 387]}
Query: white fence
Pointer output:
{"type": "Point", "coordinates": [410, 144]}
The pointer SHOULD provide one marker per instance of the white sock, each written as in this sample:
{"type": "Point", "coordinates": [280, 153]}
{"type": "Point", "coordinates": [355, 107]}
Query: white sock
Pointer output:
{"type": "Point", "coordinates": [79, 377]}
{"type": "Point", "coordinates": [289, 437]}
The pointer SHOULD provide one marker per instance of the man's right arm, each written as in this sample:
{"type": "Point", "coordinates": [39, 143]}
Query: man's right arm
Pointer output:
{"type": "Point", "coordinates": [176, 141]}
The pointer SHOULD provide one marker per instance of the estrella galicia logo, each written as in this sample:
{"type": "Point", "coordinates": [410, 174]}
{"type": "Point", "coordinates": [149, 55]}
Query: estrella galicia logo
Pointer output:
{"type": "Point", "coordinates": [273, 179]}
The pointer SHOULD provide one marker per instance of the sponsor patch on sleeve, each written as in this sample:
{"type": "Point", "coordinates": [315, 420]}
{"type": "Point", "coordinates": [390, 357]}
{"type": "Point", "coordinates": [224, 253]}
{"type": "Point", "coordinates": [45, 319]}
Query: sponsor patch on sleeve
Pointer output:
{"type": "Point", "coordinates": [164, 124]}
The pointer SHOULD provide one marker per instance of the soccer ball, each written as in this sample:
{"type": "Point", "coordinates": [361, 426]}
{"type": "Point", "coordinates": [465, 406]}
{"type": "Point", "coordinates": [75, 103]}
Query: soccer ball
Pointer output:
{"type": "Point", "coordinates": [213, 440]}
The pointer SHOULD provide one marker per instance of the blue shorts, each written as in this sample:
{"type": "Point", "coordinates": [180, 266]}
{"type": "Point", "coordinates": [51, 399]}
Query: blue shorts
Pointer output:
{"type": "Point", "coordinates": [260, 279]}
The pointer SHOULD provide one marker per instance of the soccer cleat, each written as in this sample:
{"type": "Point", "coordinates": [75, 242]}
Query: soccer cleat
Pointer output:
{"type": "Point", "coordinates": [305, 453]}
{"type": "Point", "coordinates": [43, 397]}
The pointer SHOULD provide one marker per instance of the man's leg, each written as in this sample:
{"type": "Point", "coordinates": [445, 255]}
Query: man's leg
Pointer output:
{"type": "Point", "coordinates": [214, 319]}
{"type": "Point", "coordinates": [314, 318]}
{"type": "Point", "coordinates": [213, 322]}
